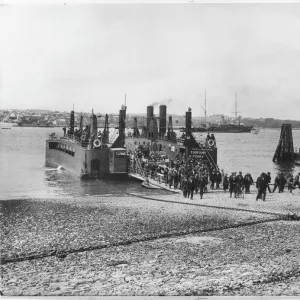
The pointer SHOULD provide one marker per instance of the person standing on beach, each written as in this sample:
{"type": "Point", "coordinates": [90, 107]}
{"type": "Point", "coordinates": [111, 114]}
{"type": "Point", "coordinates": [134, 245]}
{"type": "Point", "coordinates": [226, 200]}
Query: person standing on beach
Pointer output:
{"type": "Point", "coordinates": [296, 182]}
{"type": "Point", "coordinates": [225, 183]}
{"type": "Point", "coordinates": [212, 179]}
{"type": "Point", "coordinates": [276, 183]}
{"type": "Point", "coordinates": [206, 180]}
{"type": "Point", "coordinates": [291, 185]}
{"type": "Point", "coordinates": [232, 184]}
{"type": "Point", "coordinates": [269, 181]}
{"type": "Point", "coordinates": [184, 187]}
{"type": "Point", "coordinates": [170, 178]}
{"type": "Point", "coordinates": [218, 179]}
{"type": "Point", "coordinates": [202, 184]}
{"type": "Point", "coordinates": [166, 175]}
{"type": "Point", "coordinates": [261, 184]}
{"type": "Point", "coordinates": [175, 179]}
{"type": "Point", "coordinates": [282, 183]}
{"type": "Point", "coordinates": [248, 180]}
{"type": "Point", "coordinates": [191, 187]}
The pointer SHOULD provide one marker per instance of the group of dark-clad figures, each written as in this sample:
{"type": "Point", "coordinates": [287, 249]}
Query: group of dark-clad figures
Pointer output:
{"type": "Point", "coordinates": [191, 176]}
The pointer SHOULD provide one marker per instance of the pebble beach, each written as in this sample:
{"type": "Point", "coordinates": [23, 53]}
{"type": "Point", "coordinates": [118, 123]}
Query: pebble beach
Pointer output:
{"type": "Point", "coordinates": [150, 246]}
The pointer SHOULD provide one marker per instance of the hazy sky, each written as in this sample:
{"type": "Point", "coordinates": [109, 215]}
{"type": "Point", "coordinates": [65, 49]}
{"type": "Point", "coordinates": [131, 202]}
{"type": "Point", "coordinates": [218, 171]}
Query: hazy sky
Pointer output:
{"type": "Point", "coordinates": [52, 56]}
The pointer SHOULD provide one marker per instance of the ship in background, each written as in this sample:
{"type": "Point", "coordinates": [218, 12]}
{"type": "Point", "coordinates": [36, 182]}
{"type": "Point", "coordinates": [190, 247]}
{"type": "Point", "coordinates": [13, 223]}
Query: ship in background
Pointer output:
{"type": "Point", "coordinates": [156, 136]}
{"type": "Point", "coordinates": [232, 127]}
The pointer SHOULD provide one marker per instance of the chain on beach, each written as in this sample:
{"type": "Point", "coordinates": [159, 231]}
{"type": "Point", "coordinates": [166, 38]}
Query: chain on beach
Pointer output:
{"type": "Point", "coordinates": [272, 217]}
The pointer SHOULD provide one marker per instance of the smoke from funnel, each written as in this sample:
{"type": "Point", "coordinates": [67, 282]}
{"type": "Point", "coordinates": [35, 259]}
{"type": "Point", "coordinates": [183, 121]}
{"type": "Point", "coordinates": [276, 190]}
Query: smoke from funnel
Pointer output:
{"type": "Point", "coordinates": [162, 102]}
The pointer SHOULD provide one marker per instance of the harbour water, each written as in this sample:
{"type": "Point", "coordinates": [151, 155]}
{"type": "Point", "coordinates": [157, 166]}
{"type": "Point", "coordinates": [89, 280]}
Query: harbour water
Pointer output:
{"type": "Point", "coordinates": [23, 172]}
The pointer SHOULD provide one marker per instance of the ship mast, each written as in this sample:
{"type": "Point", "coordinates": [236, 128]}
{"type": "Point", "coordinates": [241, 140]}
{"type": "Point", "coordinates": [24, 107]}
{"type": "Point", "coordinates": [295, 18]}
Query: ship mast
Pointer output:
{"type": "Point", "coordinates": [235, 106]}
{"type": "Point", "coordinates": [205, 108]}
{"type": "Point", "coordinates": [236, 112]}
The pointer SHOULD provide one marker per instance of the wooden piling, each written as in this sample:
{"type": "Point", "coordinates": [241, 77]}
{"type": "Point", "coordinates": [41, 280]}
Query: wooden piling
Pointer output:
{"type": "Point", "coordinates": [285, 148]}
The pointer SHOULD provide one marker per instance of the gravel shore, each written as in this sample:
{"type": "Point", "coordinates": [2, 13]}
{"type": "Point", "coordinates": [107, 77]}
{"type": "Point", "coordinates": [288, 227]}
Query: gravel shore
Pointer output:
{"type": "Point", "coordinates": [146, 247]}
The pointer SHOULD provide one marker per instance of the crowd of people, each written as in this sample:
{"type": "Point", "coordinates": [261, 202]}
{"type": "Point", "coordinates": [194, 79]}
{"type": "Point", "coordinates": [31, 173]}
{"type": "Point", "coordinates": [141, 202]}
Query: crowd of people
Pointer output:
{"type": "Point", "coordinates": [192, 176]}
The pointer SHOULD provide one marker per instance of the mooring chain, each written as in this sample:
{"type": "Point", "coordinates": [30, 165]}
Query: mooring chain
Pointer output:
{"type": "Point", "coordinates": [209, 206]}
{"type": "Point", "coordinates": [64, 253]}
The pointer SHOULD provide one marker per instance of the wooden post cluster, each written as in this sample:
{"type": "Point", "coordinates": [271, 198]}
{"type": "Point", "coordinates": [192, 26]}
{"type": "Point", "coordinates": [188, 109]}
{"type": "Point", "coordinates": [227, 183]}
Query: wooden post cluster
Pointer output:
{"type": "Point", "coordinates": [285, 148]}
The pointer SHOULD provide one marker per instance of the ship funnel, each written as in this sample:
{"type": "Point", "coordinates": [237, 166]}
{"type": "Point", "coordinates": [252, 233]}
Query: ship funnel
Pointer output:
{"type": "Point", "coordinates": [94, 125]}
{"type": "Point", "coordinates": [72, 122]}
{"type": "Point", "coordinates": [136, 132]}
{"type": "Point", "coordinates": [188, 120]}
{"type": "Point", "coordinates": [162, 119]}
{"type": "Point", "coordinates": [120, 141]}
{"type": "Point", "coordinates": [122, 117]}
{"type": "Point", "coordinates": [150, 110]}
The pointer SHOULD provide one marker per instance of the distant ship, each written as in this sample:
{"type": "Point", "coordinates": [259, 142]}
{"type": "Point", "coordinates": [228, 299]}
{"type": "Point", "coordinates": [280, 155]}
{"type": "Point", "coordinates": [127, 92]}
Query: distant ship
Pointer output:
{"type": "Point", "coordinates": [231, 128]}
{"type": "Point", "coordinates": [29, 124]}
{"type": "Point", "coordinates": [234, 127]}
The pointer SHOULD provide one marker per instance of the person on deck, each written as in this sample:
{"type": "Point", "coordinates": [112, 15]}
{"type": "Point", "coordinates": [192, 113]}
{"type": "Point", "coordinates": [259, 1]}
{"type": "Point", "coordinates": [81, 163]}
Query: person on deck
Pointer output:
{"type": "Point", "coordinates": [208, 137]}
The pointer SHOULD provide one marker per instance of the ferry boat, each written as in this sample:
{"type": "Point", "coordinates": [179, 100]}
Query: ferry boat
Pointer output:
{"type": "Point", "coordinates": [157, 137]}
{"type": "Point", "coordinates": [88, 153]}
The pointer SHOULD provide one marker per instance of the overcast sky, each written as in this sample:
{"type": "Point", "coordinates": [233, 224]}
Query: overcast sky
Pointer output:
{"type": "Point", "coordinates": [92, 55]}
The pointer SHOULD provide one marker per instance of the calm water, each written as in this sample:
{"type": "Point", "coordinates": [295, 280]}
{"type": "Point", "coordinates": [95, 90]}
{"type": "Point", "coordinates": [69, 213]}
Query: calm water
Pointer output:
{"type": "Point", "coordinates": [23, 174]}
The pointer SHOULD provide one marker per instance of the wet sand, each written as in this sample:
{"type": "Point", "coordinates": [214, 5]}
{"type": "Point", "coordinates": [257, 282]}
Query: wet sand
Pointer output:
{"type": "Point", "coordinates": [147, 247]}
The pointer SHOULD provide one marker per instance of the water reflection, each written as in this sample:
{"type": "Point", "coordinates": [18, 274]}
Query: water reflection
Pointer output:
{"type": "Point", "coordinates": [63, 183]}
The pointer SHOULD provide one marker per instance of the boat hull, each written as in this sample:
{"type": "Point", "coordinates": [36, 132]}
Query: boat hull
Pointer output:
{"type": "Point", "coordinates": [79, 161]}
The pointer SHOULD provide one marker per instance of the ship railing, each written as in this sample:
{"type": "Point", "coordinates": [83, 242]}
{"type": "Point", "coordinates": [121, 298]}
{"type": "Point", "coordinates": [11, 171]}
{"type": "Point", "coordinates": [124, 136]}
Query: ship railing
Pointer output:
{"type": "Point", "coordinates": [53, 136]}
{"type": "Point", "coordinates": [75, 139]}
{"type": "Point", "coordinates": [136, 168]}
{"type": "Point", "coordinates": [163, 138]}
{"type": "Point", "coordinates": [174, 140]}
